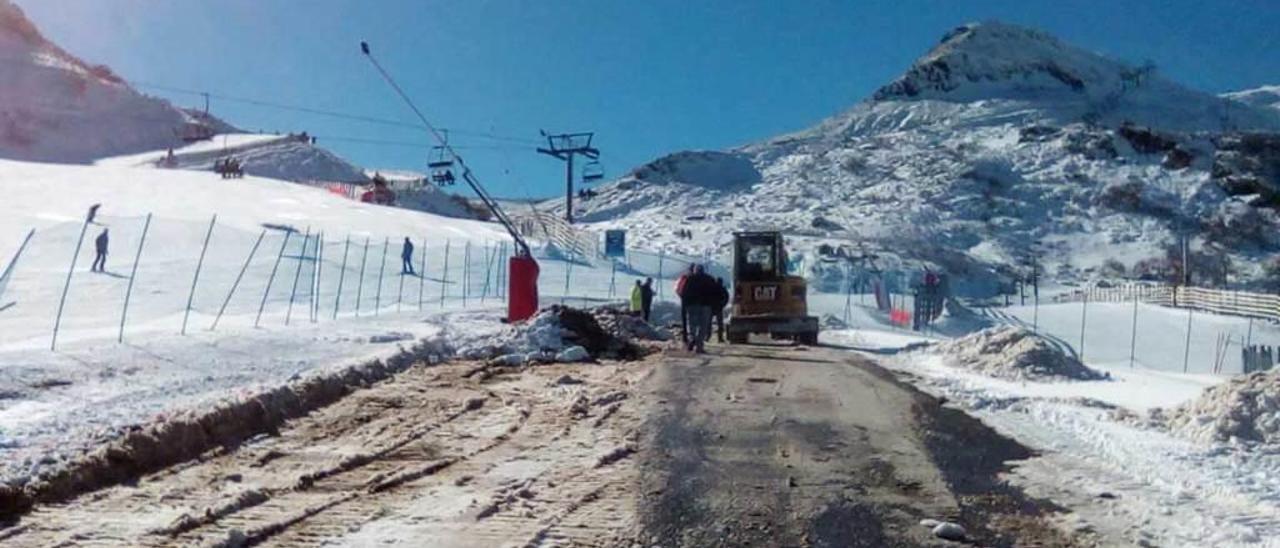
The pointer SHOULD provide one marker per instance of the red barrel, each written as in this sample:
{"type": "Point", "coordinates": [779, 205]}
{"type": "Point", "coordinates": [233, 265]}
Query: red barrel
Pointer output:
{"type": "Point", "coordinates": [522, 285]}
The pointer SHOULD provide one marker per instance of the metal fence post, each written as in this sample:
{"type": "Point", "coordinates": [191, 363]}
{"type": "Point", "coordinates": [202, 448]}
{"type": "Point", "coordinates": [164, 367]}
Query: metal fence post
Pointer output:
{"type": "Point", "coordinates": [382, 271]}
{"type": "Point", "coordinates": [1084, 312]}
{"type": "Point", "coordinates": [1133, 332]}
{"type": "Point", "coordinates": [297, 274]}
{"type": "Point", "coordinates": [1186, 352]}
{"type": "Point", "coordinates": [444, 273]}
{"type": "Point", "coordinates": [568, 272]}
{"type": "Point", "coordinates": [400, 290]}
{"type": "Point", "coordinates": [271, 280]}
{"type": "Point", "coordinates": [613, 278]}
{"type": "Point", "coordinates": [196, 279]}
{"type": "Point", "coordinates": [315, 278]}
{"type": "Point", "coordinates": [342, 276]}
{"type": "Point", "coordinates": [489, 251]}
{"type": "Point", "coordinates": [133, 272]}
{"type": "Point", "coordinates": [422, 272]}
{"type": "Point", "coordinates": [661, 256]}
{"type": "Point", "coordinates": [360, 282]}
{"type": "Point", "coordinates": [234, 285]}
{"type": "Point", "coordinates": [66, 286]}
{"type": "Point", "coordinates": [466, 271]}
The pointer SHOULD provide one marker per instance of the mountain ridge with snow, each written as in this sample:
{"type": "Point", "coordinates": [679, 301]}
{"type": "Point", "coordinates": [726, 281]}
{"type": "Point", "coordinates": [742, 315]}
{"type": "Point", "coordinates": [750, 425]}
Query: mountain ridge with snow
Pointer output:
{"type": "Point", "coordinates": [998, 143]}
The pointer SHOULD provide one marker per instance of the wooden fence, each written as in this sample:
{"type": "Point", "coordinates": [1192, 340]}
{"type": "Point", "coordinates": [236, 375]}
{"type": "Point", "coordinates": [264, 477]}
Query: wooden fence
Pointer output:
{"type": "Point", "coordinates": [1219, 301]}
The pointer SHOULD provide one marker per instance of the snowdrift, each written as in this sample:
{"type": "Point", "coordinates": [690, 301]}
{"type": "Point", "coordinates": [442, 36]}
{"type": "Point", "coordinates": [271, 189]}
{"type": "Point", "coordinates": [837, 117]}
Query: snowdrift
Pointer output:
{"type": "Point", "coordinates": [1244, 409]}
{"type": "Point", "coordinates": [1014, 353]}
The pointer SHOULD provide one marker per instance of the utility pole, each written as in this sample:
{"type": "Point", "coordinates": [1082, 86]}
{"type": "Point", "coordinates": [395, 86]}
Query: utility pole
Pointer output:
{"type": "Point", "coordinates": [564, 146]}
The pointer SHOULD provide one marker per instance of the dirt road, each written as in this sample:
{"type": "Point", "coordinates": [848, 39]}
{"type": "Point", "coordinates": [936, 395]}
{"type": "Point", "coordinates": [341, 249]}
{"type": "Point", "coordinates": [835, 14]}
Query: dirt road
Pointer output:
{"type": "Point", "coordinates": [748, 446]}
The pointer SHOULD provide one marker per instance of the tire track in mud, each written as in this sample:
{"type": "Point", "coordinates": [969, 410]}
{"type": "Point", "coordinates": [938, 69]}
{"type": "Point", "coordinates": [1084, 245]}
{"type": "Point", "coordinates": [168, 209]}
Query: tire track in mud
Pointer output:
{"type": "Point", "coordinates": [539, 465]}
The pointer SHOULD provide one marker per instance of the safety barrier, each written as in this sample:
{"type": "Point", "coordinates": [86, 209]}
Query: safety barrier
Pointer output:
{"type": "Point", "coordinates": [1218, 301]}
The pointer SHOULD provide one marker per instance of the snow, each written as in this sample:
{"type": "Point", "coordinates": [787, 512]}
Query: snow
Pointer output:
{"type": "Point", "coordinates": [1244, 409]}
{"type": "Point", "coordinates": [966, 176]}
{"type": "Point", "coordinates": [1262, 96]}
{"type": "Point", "coordinates": [1014, 353]}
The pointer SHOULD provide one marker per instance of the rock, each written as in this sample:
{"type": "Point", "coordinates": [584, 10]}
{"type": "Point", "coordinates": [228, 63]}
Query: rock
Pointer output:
{"type": "Point", "coordinates": [949, 531]}
{"type": "Point", "coordinates": [566, 379]}
{"type": "Point", "coordinates": [573, 354]}
{"type": "Point", "coordinates": [930, 523]}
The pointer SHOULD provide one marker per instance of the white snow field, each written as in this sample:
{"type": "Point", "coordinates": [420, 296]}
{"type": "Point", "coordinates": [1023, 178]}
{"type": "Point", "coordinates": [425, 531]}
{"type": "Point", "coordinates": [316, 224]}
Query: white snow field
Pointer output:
{"type": "Point", "coordinates": [1120, 473]}
{"type": "Point", "coordinates": [330, 302]}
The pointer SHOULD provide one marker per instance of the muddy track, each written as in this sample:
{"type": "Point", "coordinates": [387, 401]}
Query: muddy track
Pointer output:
{"type": "Point", "coordinates": [433, 452]}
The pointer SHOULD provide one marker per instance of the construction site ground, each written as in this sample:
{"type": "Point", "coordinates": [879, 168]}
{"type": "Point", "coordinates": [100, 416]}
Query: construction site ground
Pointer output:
{"type": "Point", "coordinates": [762, 445]}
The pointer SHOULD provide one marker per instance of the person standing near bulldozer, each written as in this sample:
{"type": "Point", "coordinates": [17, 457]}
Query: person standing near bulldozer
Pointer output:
{"type": "Point", "coordinates": [637, 299]}
{"type": "Point", "coordinates": [684, 310]}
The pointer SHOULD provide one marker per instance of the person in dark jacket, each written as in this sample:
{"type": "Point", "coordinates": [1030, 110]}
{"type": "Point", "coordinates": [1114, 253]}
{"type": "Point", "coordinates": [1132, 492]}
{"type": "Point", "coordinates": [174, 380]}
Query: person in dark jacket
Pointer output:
{"type": "Point", "coordinates": [701, 294]}
{"type": "Point", "coordinates": [406, 257]}
{"type": "Point", "coordinates": [100, 246]}
{"type": "Point", "coordinates": [646, 298]}
{"type": "Point", "coordinates": [718, 311]}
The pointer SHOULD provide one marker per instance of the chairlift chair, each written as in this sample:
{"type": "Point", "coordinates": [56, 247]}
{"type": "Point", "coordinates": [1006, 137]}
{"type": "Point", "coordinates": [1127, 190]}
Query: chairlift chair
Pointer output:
{"type": "Point", "coordinates": [440, 163]}
{"type": "Point", "coordinates": [592, 172]}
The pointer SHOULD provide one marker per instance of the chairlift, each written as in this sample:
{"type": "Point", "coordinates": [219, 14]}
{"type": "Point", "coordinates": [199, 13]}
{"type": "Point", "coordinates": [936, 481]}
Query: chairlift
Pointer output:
{"type": "Point", "coordinates": [443, 177]}
{"type": "Point", "coordinates": [196, 131]}
{"type": "Point", "coordinates": [592, 172]}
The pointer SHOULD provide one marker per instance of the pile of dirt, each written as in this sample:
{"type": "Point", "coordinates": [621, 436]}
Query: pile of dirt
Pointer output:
{"type": "Point", "coordinates": [1243, 409]}
{"type": "Point", "coordinates": [1014, 353]}
{"type": "Point", "coordinates": [567, 334]}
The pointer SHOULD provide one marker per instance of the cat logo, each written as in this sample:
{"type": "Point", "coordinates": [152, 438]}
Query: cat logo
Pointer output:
{"type": "Point", "coordinates": [765, 292]}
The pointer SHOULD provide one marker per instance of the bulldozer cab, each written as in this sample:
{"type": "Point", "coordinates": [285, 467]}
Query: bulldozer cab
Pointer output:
{"type": "Point", "coordinates": [766, 299]}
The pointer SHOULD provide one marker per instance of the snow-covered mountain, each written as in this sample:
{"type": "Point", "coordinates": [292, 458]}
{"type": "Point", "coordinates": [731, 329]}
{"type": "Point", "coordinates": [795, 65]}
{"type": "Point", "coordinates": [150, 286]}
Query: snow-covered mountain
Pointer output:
{"type": "Point", "coordinates": [998, 138]}
{"type": "Point", "coordinates": [54, 107]}
{"type": "Point", "coordinates": [1264, 96]}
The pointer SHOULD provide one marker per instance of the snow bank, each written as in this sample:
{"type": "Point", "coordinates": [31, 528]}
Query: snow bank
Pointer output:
{"type": "Point", "coordinates": [1245, 408]}
{"type": "Point", "coordinates": [1014, 353]}
{"type": "Point", "coordinates": [555, 333]}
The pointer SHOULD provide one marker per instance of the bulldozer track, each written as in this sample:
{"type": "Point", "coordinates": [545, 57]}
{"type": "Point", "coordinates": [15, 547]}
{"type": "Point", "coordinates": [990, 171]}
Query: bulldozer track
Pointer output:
{"type": "Point", "coordinates": [511, 458]}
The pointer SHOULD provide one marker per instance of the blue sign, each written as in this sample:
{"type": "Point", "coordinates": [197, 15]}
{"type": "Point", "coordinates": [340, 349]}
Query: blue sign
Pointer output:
{"type": "Point", "coordinates": [615, 243]}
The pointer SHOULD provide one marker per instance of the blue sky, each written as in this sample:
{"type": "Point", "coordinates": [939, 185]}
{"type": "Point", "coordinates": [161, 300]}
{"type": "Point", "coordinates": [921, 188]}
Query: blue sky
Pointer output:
{"type": "Point", "coordinates": [650, 77]}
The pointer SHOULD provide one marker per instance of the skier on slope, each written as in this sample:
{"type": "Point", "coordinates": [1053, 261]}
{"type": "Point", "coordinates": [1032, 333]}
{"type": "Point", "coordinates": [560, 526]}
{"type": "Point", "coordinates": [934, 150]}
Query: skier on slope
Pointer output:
{"type": "Point", "coordinates": [406, 257]}
{"type": "Point", "coordinates": [100, 247]}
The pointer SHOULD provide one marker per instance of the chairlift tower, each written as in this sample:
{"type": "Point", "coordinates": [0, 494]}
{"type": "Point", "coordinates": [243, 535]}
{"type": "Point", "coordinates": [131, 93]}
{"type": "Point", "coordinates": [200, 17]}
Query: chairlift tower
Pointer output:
{"type": "Point", "coordinates": [565, 146]}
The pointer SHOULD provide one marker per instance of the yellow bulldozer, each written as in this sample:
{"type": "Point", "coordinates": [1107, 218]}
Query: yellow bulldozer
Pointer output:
{"type": "Point", "coordinates": [765, 298]}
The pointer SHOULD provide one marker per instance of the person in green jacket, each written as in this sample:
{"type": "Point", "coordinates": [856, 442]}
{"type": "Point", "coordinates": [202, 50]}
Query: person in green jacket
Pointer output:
{"type": "Point", "coordinates": [637, 299]}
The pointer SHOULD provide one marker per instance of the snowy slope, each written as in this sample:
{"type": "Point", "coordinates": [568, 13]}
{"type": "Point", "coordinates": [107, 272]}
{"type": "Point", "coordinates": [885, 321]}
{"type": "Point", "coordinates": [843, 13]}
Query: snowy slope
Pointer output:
{"type": "Point", "coordinates": [415, 191]}
{"type": "Point", "coordinates": [55, 107]}
{"type": "Point", "coordinates": [998, 137]}
{"type": "Point", "coordinates": [1265, 96]}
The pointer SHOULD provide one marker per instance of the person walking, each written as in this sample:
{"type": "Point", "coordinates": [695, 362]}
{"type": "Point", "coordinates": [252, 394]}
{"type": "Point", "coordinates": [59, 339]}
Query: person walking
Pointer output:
{"type": "Point", "coordinates": [722, 301]}
{"type": "Point", "coordinates": [646, 298]}
{"type": "Point", "coordinates": [700, 294]}
{"type": "Point", "coordinates": [100, 246]}
{"type": "Point", "coordinates": [684, 313]}
{"type": "Point", "coordinates": [406, 257]}
{"type": "Point", "coordinates": [637, 299]}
